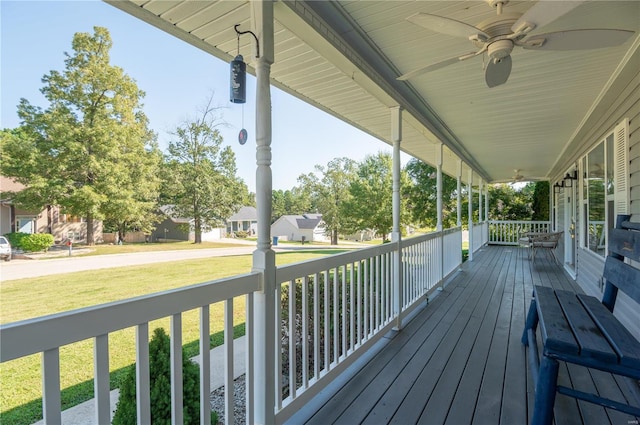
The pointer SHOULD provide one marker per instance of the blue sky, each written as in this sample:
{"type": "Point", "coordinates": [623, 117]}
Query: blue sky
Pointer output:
{"type": "Point", "coordinates": [177, 78]}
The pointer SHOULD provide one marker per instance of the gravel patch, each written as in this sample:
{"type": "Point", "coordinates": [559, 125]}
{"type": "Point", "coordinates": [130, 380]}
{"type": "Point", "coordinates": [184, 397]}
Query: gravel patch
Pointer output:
{"type": "Point", "coordinates": [239, 393]}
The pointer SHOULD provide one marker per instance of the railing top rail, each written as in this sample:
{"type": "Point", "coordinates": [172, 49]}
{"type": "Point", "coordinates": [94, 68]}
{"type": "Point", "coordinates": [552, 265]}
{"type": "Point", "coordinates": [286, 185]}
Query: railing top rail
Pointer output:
{"type": "Point", "coordinates": [305, 268]}
{"type": "Point", "coordinates": [43, 333]}
{"type": "Point", "coordinates": [518, 222]}
{"type": "Point", "coordinates": [428, 236]}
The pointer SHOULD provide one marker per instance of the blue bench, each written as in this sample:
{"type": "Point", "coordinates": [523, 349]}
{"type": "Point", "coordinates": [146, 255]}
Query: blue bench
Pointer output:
{"type": "Point", "coordinates": [579, 329]}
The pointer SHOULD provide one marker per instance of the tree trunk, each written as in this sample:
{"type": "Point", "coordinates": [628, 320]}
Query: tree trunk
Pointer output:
{"type": "Point", "coordinates": [334, 237]}
{"type": "Point", "coordinates": [90, 235]}
{"type": "Point", "coordinates": [198, 230]}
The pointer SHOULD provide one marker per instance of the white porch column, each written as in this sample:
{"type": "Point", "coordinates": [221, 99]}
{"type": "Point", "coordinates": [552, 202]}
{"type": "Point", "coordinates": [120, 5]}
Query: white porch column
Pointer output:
{"type": "Point", "coordinates": [470, 195]}
{"type": "Point", "coordinates": [439, 188]}
{"type": "Point", "coordinates": [480, 188]}
{"type": "Point", "coordinates": [459, 195]}
{"type": "Point", "coordinates": [396, 234]}
{"type": "Point", "coordinates": [486, 202]}
{"type": "Point", "coordinates": [264, 258]}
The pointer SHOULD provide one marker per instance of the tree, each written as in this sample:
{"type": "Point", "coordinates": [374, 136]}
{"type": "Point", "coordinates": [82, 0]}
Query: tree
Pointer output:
{"type": "Point", "coordinates": [329, 188]}
{"type": "Point", "coordinates": [507, 203]}
{"type": "Point", "coordinates": [422, 195]}
{"type": "Point", "coordinates": [540, 201]}
{"type": "Point", "coordinates": [200, 175]}
{"type": "Point", "coordinates": [290, 202]}
{"type": "Point", "coordinates": [370, 204]}
{"type": "Point", "coordinates": [82, 151]}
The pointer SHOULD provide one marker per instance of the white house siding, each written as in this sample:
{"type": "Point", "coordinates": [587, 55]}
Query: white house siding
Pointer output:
{"type": "Point", "coordinates": [590, 267]}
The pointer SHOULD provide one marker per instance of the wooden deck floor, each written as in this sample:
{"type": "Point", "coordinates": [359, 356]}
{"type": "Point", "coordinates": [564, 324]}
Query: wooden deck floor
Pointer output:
{"type": "Point", "coordinates": [460, 360]}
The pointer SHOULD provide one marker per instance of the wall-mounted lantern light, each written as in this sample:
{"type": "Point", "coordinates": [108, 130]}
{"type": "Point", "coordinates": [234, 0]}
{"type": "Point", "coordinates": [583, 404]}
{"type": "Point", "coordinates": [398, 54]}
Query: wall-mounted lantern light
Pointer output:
{"type": "Point", "coordinates": [569, 178]}
{"type": "Point", "coordinates": [556, 187]}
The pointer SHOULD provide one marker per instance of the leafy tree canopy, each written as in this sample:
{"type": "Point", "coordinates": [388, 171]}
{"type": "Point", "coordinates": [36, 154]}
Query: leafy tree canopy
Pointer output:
{"type": "Point", "coordinates": [329, 189]}
{"type": "Point", "coordinates": [200, 174]}
{"type": "Point", "coordinates": [370, 202]}
{"type": "Point", "coordinates": [90, 151]}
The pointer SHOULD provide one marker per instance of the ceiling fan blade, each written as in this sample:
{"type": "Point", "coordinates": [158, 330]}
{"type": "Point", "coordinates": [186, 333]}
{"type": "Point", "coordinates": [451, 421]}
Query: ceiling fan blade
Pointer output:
{"type": "Point", "coordinates": [497, 73]}
{"type": "Point", "coordinates": [577, 39]}
{"type": "Point", "coordinates": [544, 12]}
{"type": "Point", "coordinates": [438, 65]}
{"type": "Point", "coordinates": [445, 25]}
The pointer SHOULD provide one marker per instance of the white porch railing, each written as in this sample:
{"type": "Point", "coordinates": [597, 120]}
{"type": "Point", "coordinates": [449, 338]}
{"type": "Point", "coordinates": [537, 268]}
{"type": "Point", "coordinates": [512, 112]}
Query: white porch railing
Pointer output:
{"type": "Point", "coordinates": [479, 236]}
{"type": "Point", "coordinates": [329, 312]}
{"type": "Point", "coordinates": [508, 232]}
{"type": "Point", "coordinates": [47, 334]}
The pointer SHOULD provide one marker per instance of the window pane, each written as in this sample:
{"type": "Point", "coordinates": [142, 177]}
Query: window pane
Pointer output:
{"type": "Point", "coordinates": [595, 180]}
{"type": "Point", "coordinates": [610, 164]}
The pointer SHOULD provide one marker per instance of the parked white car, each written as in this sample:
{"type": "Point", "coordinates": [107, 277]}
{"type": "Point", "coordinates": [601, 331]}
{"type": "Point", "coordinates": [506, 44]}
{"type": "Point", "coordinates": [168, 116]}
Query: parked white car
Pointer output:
{"type": "Point", "coordinates": [5, 249]}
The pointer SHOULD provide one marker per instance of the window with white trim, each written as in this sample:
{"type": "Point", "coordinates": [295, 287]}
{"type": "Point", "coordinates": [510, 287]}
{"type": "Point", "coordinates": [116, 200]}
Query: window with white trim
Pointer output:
{"type": "Point", "coordinates": [605, 191]}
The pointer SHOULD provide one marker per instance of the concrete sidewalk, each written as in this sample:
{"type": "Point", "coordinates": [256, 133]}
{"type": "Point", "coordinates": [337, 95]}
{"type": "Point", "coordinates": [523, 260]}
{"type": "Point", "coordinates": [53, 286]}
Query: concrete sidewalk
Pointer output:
{"type": "Point", "coordinates": [84, 413]}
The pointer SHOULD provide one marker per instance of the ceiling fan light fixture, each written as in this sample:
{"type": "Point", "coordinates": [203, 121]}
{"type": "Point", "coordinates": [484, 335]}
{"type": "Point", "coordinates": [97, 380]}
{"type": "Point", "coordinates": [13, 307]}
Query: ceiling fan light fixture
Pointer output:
{"type": "Point", "coordinates": [500, 49]}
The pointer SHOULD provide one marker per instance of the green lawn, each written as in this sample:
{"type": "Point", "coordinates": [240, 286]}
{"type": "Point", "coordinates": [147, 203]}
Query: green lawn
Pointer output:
{"type": "Point", "coordinates": [146, 247]}
{"type": "Point", "coordinates": [20, 385]}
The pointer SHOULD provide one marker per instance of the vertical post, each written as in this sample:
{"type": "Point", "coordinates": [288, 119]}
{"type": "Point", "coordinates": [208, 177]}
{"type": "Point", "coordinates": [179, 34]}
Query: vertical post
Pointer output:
{"type": "Point", "coordinates": [485, 232]}
{"type": "Point", "coordinates": [470, 195]}
{"type": "Point", "coordinates": [480, 187]}
{"type": "Point", "coordinates": [439, 188]}
{"type": "Point", "coordinates": [264, 257]}
{"type": "Point", "coordinates": [459, 194]}
{"type": "Point", "coordinates": [486, 202]}
{"type": "Point", "coordinates": [439, 211]}
{"type": "Point", "coordinates": [396, 234]}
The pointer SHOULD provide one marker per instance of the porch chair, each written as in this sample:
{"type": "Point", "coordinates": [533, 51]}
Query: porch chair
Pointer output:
{"type": "Point", "coordinates": [548, 241]}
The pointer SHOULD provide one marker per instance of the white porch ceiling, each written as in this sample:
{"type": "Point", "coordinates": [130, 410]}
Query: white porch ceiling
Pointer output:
{"type": "Point", "coordinates": [344, 57]}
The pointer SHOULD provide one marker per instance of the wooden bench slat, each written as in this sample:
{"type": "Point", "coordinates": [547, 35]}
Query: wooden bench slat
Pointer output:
{"type": "Point", "coordinates": [625, 243]}
{"type": "Point", "coordinates": [556, 333]}
{"type": "Point", "coordinates": [591, 340]}
{"type": "Point", "coordinates": [619, 337]}
{"type": "Point", "coordinates": [623, 276]}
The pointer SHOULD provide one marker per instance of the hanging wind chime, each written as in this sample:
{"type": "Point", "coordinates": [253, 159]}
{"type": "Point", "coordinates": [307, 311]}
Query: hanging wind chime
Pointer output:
{"type": "Point", "coordinates": [238, 83]}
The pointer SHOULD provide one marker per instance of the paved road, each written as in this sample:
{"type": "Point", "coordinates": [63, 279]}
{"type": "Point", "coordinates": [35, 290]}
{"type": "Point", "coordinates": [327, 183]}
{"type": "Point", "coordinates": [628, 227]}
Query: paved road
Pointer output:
{"type": "Point", "coordinates": [20, 269]}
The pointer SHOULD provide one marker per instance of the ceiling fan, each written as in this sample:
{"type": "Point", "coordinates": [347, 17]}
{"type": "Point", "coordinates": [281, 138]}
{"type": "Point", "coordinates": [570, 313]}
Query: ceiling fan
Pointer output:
{"type": "Point", "coordinates": [498, 35]}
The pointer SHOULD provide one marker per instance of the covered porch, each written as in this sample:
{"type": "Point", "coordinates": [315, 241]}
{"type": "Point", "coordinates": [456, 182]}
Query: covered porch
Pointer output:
{"type": "Point", "coordinates": [460, 359]}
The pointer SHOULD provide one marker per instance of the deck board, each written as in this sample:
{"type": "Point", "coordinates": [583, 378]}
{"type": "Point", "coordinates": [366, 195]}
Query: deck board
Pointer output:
{"type": "Point", "coordinates": [460, 359]}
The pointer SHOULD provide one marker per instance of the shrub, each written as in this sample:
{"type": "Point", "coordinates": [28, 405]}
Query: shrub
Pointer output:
{"type": "Point", "coordinates": [37, 242]}
{"type": "Point", "coordinates": [241, 234]}
{"type": "Point", "coordinates": [15, 239]}
{"type": "Point", "coordinates": [160, 386]}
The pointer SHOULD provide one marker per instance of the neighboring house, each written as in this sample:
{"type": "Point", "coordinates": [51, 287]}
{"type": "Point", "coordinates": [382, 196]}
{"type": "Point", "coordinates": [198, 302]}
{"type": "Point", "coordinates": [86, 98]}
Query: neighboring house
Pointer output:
{"type": "Point", "coordinates": [176, 228]}
{"type": "Point", "coordinates": [49, 220]}
{"type": "Point", "coordinates": [295, 227]}
{"type": "Point", "coordinates": [245, 220]}
{"type": "Point", "coordinates": [172, 227]}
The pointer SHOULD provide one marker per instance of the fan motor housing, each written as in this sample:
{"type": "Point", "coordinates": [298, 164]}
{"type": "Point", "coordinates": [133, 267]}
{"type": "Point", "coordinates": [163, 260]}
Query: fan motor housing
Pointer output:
{"type": "Point", "coordinates": [500, 49]}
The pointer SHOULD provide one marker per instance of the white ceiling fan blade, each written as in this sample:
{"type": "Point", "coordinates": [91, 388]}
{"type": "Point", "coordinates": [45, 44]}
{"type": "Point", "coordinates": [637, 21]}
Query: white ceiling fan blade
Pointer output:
{"type": "Point", "coordinates": [577, 39]}
{"type": "Point", "coordinates": [544, 12]}
{"type": "Point", "coordinates": [497, 73]}
{"type": "Point", "coordinates": [438, 65]}
{"type": "Point", "coordinates": [445, 25]}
